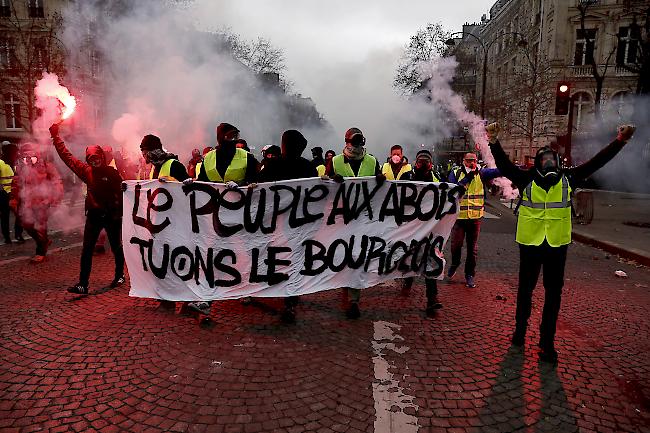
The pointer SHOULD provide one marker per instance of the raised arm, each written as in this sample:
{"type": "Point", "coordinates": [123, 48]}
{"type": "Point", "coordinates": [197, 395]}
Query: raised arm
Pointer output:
{"type": "Point", "coordinates": [585, 170]}
{"type": "Point", "coordinates": [506, 167]}
{"type": "Point", "coordinates": [77, 166]}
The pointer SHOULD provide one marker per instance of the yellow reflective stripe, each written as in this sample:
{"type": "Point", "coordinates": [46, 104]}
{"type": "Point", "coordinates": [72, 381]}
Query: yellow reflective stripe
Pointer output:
{"type": "Point", "coordinates": [236, 171]}
{"type": "Point", "coordinates": [344, 169]}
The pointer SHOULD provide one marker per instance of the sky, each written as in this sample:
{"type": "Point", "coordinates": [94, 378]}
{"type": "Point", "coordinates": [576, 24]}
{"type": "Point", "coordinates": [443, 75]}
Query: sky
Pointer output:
{"type": "Point", "coordinates": [341, 53]}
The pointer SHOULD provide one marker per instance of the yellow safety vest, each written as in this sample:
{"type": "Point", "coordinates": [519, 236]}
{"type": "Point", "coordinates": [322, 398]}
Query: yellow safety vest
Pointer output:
{"type": "Point", "coordinates": [197, 170]}
{"type": "Point", "coordinates": [6, 176]}
{"type": "Point", "coordinates": [545, 215]}
{"type": "Point", "coordinates": [343, 168]}
{"type": "Point", "coordinates": [472, 205]}
{"type": "Point", "coordinates": [236, 171]}
{"type": "Point", "coordinates": [321, 170]}
{"type": "Point", "coordinates": [388, 171]}
{"type": "Point", "coordinates": [112, 164]}
{"type": "Point", "coordinates": [164, 170]}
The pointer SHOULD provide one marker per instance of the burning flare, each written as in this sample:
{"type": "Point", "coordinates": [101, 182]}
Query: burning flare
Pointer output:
{"type": "Point", "coordinates": [49, 86]}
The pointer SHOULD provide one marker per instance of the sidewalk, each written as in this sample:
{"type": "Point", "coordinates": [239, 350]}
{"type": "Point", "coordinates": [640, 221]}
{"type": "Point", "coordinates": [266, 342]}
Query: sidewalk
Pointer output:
{"type": "Point", "coordinates": [621, 224]}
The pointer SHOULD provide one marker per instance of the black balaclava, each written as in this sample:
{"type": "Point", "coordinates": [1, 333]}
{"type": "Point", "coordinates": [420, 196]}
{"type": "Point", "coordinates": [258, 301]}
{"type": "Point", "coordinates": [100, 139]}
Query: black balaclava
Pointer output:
{"type": "Point", "coordinates": [222, 130]}
{"type": "Point", "coordinates": [293, 143]}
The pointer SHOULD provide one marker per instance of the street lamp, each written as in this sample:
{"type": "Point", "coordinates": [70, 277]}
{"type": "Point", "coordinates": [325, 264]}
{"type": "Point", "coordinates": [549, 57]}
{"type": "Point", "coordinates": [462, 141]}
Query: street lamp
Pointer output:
{"type": "Point", "coordinates": [451, 42]}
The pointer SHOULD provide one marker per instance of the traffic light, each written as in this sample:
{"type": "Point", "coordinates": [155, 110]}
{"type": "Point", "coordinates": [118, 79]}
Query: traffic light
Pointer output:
{"type": "Point", "coordinates": [562, 98]}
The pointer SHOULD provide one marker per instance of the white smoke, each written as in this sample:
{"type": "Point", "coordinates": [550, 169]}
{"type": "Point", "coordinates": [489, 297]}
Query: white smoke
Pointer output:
{"type": "Point", "coordinates": [439, 73]}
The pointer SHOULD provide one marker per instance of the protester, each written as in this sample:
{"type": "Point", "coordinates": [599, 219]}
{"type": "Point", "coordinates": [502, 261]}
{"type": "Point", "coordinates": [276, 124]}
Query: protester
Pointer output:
{"type": "Point", "coordinates": [396, 166]}
{"type": "Point", "coordinates": [270, 152]}
{"type": "Point", "coordinates": [544, 228]}
{"type": "Point", "coordinates": [328, 157]}
{"type": "Point", "coordinates": [205, 151]}
{"type": "Point", "coordinates": [423, 172]}
{"type": "Point", "coordinates": [166, 166]}
{"type": "Point", "coordinates": [354, 162]}
{"type": "Point", "coordinates": [6, 178]}
{"type": "Point", "coordinates": [36, 188]}
{"type": "Point", "coordinates": [103, 208]}
{"type": "Point", "coordinates": [10, 156]}
{"type": "Point", "coordinates": [191, 165]}
{"type": "Point", "coordinates": [472, 209]}
{"type": "Point", "coordinates": [229, 164]}
{"type": "Point", "coordinates": [291, 165]}
{"type": "Point", "coordinates": [317, 160]}
{"type": "Point", "coordinates": [241, 144]}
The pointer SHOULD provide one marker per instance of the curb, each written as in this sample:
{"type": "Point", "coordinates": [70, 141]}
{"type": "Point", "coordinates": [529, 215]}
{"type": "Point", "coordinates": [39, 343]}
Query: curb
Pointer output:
{"type": "Point", "coordinates": [638, 256]}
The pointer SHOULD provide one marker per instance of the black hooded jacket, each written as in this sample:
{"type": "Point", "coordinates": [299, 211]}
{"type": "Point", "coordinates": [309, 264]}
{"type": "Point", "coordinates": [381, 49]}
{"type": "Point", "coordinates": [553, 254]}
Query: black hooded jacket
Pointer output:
{"type": "Point", "coordinates": [104, 183]}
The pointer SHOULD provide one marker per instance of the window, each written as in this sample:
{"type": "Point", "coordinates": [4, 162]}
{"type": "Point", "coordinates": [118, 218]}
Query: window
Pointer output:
{"type": "Point", "coordinates": [40, 54]}
{"type": "Point", "coordinates": [12, 112]}
{"type": "Point", "coordinates": [35, 8]}
{"type": "Point", "coordinates": [628, 44]}
{"type": "Point", "coordinates": [582, 110]}
{"type": "Point", "coordinates": [7, 54]}
{"type": "Point", "coordinates": [5, 8]}
{"type": "Point", "coordinates": [620, 107]}
{"type": "Point", "coordinates": [585, 42]}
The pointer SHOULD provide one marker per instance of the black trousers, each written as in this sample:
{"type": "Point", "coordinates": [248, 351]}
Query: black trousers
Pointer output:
{"type": "Point", "coordinates": [94, 224]}
{"type": "Point", "coordinates": [532, 259]}
{"type": "Point", "coordinates": [431, 285]}
{"type": "Point", "coordinates": [4, 214]}
{"type": "Point", "coordinates": [465, 229]}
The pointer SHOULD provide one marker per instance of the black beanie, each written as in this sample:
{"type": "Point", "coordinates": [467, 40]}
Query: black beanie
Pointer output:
{"type": "Point", "coordinates": [424, 152]}
{"type": "Point", "coordinates": [150, 142]}
{"type": "Point", "coordinates": [294, 140]}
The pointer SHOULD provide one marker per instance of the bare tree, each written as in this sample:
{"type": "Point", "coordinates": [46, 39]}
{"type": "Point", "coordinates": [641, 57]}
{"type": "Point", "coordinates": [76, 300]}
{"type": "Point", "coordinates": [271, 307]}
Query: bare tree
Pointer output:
{"type": "Point", "coordinates": [28, 47]}
{"type": "Point", "coordinates": [423, 46]}
{"type": "Point", "coordinates": [598, 72]}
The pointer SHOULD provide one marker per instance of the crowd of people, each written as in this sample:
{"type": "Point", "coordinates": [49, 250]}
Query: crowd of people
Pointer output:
{"type": "Point", "coordinates": [543, 229]}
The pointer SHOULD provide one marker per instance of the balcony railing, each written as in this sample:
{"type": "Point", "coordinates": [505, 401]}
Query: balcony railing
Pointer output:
{"type": "Point", "coordinates": [585, 71]}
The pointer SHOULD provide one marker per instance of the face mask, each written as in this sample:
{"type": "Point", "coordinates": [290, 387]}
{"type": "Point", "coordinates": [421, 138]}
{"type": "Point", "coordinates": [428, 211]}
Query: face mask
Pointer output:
{"type": "Point", "coordinates": [396, 159]}
{"type": "Point", "coordinates": [94, 162]}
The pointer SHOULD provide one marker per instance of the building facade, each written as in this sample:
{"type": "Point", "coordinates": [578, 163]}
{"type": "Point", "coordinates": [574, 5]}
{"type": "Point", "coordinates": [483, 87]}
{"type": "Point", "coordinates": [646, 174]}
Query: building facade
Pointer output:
{"type": "Point", "coordinates": [532, 45]}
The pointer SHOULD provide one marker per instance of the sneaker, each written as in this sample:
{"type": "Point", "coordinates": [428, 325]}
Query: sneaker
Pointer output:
{"type": "Point", "coordinates": [246, 300]}
{"type": "Point", "coordinates": [167, 305]}
{"type": "Point", "coordinates": [7, 242]}
{"type": "Point", "coordinates": [37, 259]}
{"type": "Point", "coordinates": [202, 307]}
{"type": "Point", "coordinates": [452, 271]}
{"type": "Point", "coordinates": [469, 281]}
{"type": "Point", "coordinates": [117, 281]}
{"type": "Point", "coordinates": [78, 289]}
{"type": "Point", "coordinates": [20, 239]}
{"type": "Point", "coordinates": [353, 311]}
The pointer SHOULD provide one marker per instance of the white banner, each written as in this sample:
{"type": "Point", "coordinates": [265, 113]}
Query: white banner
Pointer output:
{"type": "Point", "coordinates": [205, 242]}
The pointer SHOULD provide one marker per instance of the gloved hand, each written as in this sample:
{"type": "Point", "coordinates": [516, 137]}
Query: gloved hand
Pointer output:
{"type": "Point", "coordinates": [625, 132]}
{"type": "Point", "coordinates": [124, 186]}
{"type": "Point", "coordinates": [492, 132]}
{"type": "Point", "coordinates": [338, 178]}
{"type": "Point", "coordinates": [163, 179]}
{"type": "Point", "coordinates": [252, 185]}
{"type": "Point", "coordinates": [325, 177]}
{"type": "Point", "coordinates": [380, 178]}
{"type": "Point", "coordinates": [188, 181]}
{"type": "Point", "coordinates": [231, 184]}
{"type": "Point", "coordinates": [54, 130]}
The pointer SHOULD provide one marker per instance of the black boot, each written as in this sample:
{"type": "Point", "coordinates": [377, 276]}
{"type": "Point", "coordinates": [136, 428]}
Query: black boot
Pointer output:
{"type": "Point", "coordinates": [432, 297]}
{"type": "Point", "coordinates": [353, 311]}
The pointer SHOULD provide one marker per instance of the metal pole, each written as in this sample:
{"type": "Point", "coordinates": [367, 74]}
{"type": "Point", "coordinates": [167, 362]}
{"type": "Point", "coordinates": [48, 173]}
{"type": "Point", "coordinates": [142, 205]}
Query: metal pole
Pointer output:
{"type": "Point", "coordinates": [567, 149]}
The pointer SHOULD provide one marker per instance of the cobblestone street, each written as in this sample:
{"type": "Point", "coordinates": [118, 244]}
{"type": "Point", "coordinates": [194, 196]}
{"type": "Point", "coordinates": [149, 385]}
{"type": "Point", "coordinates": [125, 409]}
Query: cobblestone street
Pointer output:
{"type": "Point", "coordinates": [108, 362]}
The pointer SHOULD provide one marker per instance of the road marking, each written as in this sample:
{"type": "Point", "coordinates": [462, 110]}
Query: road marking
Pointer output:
{"type": "Point", "coordinates": [390, 398]}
